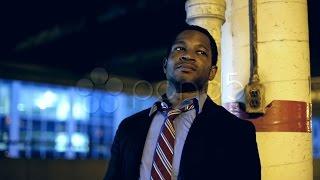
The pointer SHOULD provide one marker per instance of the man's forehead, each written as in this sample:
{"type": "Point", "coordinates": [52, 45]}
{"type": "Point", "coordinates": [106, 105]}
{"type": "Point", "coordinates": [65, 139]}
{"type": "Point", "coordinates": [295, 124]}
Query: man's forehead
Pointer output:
{"type": "Point", "coordinates": [191, 34]}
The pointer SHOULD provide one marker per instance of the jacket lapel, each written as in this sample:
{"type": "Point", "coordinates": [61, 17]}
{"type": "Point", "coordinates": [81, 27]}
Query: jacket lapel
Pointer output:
{"type": "Point", "coordinates": [195, 133]}
{"type": "Point", "coordinates": [138, 141]}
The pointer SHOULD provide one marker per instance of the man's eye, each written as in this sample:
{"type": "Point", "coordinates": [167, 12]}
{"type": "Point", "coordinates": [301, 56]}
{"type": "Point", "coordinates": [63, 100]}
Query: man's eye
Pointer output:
{"type": "Point", "coordinates": [179, 49]}
{"type": "Point", "coordinates": [202, 53]}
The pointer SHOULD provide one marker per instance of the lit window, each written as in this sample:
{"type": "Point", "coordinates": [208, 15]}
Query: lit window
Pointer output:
{"type": "Point", "coordinates": [51, 121]}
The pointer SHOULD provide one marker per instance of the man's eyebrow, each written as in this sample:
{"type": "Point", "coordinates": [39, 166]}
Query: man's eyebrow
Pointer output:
{"type": "Point", "coordinates": [179, 42]}
{"type": "Point", "coordinates": [203, 46]}
{"type": "Point", "coordinates": [200, 45]}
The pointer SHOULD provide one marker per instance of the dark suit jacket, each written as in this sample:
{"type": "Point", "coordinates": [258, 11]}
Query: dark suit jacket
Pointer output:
{"type": "Point", "coordinates": [218, 146]}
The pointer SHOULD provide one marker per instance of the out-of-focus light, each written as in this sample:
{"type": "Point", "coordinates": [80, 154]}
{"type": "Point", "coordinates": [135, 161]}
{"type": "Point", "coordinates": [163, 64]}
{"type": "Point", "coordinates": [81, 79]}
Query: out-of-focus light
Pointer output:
{"type": "Point", "coordinates": [61, 142]}
{"type": "Point", "coordinates": [46, 100]}
{"type": "Point", "coordinates": [21, 107]}
{"type": "Point", "coordinates": [3, 146]}
{"type": "Point", "coordinates": [79, 142]}
{"type": "Point", "coordinates": [78, 139]}
{"type": "Point", "coordinates": [316, 135]}
{"type": "Point", "coordinates": [63, 110]}
{"type": "Point", "coordinates": [79, 111]}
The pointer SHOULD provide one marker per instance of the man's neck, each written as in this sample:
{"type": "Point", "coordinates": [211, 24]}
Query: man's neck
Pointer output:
{"type": "Point", "coordinates": [177, 98]}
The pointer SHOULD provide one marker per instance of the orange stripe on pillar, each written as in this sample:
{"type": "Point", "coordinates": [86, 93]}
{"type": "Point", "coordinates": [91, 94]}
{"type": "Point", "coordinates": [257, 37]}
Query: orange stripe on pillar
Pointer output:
{"type": "Point", "coordinates": [285, 116]}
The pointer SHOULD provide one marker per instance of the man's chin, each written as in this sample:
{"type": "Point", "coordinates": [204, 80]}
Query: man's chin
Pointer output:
{"type": "Point", "coordinates": [184, 78]}
{"type": "Point", "coordinates": [186, 86]}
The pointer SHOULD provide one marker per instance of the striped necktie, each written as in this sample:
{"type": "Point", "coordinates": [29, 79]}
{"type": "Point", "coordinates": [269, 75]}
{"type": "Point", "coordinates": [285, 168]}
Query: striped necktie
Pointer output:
{"type": "Point", "coordinates": [163, 157]}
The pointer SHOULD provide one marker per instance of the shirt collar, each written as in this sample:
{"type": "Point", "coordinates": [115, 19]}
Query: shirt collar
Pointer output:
{"type": "Point", "coordinates": [163, 103]}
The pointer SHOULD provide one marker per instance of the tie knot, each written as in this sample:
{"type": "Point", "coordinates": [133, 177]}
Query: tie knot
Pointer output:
{"type": "Point", "coordinates": [172, 113]}
{"type": "Point", "coordinates": [165, 106]}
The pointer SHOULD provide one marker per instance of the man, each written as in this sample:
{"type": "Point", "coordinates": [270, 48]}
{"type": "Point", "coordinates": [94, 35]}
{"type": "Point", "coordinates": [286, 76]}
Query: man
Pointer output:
{"type": "Point", "coordinates": [185, 135]}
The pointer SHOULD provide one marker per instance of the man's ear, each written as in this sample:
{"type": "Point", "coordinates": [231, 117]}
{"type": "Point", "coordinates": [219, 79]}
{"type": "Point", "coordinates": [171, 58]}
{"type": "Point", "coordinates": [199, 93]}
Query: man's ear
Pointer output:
{"type": "Point", "coordinates": [164, 65]}
{"type": "Point", "coordinates": [213, 71]}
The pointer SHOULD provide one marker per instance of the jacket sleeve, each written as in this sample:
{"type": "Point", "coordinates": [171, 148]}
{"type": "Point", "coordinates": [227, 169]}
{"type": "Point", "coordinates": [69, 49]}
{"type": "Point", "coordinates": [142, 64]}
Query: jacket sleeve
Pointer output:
{"type": "Point", "coordinates": [251, 168]}
{"type": "Point", "coordinates": [115, 163]}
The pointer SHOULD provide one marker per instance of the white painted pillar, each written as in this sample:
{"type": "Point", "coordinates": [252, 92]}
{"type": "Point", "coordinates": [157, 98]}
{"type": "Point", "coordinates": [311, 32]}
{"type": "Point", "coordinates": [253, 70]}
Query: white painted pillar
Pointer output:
{"type": "Point", "coordinates": [209, 14]}
{"type": "Point", "coordinates": [283, 133]}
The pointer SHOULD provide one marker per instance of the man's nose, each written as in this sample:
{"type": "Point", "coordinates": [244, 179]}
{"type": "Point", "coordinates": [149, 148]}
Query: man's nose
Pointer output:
{"type": "Point", "coordinates": [186, 57]}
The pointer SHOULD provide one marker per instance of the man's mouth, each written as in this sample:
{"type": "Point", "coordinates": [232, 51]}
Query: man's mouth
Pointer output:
{"type": "Point", "coordinates": [186, 67]}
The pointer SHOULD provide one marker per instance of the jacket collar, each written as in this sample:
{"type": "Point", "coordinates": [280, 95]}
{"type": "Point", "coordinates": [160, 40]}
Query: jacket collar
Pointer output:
{"type": "Point", "coordinates": [164, 103]}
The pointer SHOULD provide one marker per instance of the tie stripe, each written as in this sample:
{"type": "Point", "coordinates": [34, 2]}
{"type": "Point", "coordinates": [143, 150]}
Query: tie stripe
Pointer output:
{"type": "Point", "coordinates": [164, 160]}
{"type": "Point", "coordinates": [165, 144]}
{"type": "Point", "coordinates": [157, 174]}
{"type": "Point", "coordinates": [163, 157]}
{"type": "Point", "coordinates": [170, 127]}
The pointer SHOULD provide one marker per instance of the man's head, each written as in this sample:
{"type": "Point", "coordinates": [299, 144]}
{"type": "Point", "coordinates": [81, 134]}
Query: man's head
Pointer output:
{"type": "Point", "coordinates": [191, 59]}
{"type": "Point", "coordinates": [185, 27]}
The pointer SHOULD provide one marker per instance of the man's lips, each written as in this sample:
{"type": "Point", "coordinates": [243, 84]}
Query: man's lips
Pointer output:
{"type": "Point", "coordinates": [186, 67]}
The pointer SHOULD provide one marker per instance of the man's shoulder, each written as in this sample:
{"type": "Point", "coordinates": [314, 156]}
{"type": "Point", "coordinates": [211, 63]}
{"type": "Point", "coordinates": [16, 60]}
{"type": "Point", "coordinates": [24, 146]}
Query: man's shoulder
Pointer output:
{"type": "Point", "coordinates": [136, 119]}
{"type": "Point", "coordinates": [143, 113]}
{"type": "Point", "coordinates": [238, 123]}
{"type": "Point", "coordinates": [228, 119]}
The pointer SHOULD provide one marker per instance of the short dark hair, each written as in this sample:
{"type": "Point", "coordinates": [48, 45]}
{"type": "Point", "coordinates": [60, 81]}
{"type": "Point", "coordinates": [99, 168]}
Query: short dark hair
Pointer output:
{"type": "Point", "coordinates": [214, 49]}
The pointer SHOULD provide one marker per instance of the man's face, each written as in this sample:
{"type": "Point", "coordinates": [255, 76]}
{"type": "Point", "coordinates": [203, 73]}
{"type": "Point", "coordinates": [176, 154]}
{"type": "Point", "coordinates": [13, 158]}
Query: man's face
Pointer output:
{"type": "Point", "coordinates": [189, 60]}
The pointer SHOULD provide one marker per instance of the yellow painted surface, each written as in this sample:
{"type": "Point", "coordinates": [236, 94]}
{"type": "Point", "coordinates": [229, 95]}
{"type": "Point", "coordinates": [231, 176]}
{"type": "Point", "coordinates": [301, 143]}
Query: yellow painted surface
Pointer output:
{"type": "Point", "coordinates": [282, 20]}
{"type": "Point", "coordinates": [295, 171]}
{"type": "Point", "coordinates": [284, 147]}
{"type": "Point", "coordinates": [296, 90]}
{"type": "Point", "coordinates": [283, 47]}
{"type": "Point", "coordinates": [285, 155]}
{"type": "Point", "coordinates": [285, 70]}
{"type": "Point", "coordinates": [288, 60]}
{"type": "Point", "coordinates": [283, 50]}
{"type": "Point", "coordinates": [276, 21]}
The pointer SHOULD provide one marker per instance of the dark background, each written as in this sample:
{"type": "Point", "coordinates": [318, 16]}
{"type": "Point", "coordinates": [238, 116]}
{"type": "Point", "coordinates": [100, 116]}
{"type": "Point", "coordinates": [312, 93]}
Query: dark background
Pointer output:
{"type": "Point", "coordinates": [60, 41]}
